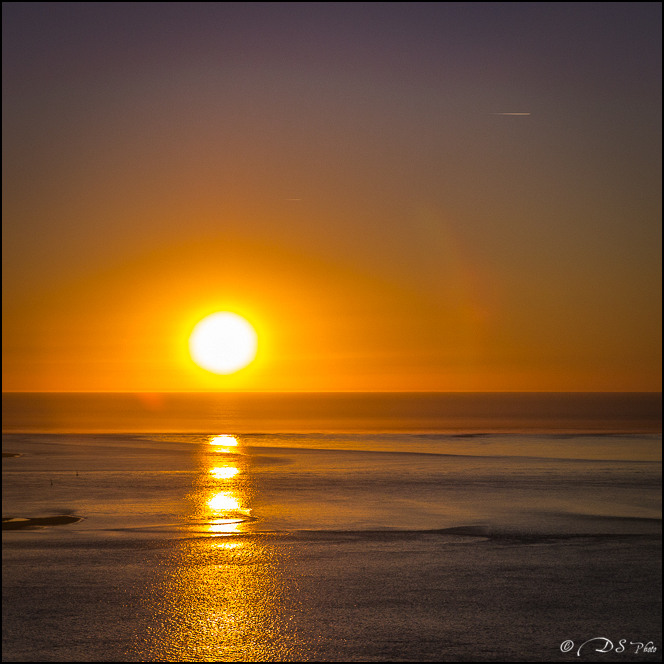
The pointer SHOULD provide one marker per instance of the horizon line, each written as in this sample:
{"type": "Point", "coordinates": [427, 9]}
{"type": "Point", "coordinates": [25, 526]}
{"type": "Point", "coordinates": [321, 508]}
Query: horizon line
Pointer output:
{"type": "Point", "coordinates": [221, 392]}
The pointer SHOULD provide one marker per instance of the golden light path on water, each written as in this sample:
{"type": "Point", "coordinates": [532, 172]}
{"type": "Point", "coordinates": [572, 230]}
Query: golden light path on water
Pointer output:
{"type": "Point", "coordinates": [224, 473]}
{"type": "Point", "coordinates": [225, 593]}
{"type": "Point", "coordinates": [223, 444]}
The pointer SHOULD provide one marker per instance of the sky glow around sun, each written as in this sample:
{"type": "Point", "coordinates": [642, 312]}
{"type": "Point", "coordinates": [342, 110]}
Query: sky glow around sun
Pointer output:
{"type": "Point", "coordinates": [387, 192]}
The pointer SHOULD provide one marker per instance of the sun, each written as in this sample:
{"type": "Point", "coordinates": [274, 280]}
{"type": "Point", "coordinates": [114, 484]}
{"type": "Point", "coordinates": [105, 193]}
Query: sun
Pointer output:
{"type": "Point", "coordinates": [223, 343]}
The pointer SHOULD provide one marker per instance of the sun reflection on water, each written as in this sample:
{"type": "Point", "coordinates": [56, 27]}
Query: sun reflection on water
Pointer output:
{"type": "Point", "coordinates": [225, 526]}
{"type": "Point", "coordinates": [224, 443]}
{"type": "Point", "coordinates": [224, 440]}
{"type": "Point", "coordinates": [223, 501]}
{"type": "Point", "coordinates": [225, 593]}
{"type": "Point", "coordinates": [227, 545]}
{"type": "Point", "coordinates": [224, 472]}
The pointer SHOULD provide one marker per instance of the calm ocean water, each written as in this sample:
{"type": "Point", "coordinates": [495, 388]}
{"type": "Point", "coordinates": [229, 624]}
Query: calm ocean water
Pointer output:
{"type": "Point", "coordinates": [345, 527]}
{"type": "Point", "coordinates": [332, 412]}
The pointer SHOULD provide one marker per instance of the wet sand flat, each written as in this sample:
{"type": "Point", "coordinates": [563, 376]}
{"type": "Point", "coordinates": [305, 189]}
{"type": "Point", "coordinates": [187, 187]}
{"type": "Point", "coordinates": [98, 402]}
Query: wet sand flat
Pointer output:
{"type": "Point", "coordinates": [371, 598]}
{"type": "Point", "coordinates": [18, 523]}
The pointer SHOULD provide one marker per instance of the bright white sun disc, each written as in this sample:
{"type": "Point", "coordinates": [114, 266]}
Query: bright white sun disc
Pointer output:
{"type": "Point", "coordinates": [223, 343]}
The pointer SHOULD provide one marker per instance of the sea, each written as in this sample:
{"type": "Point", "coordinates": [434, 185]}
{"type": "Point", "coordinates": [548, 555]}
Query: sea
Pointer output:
{"type": "Point", "coordinates": [332, 527]}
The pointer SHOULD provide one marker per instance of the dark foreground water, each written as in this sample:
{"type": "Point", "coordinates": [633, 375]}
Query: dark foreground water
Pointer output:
{"type": "Point", "coordinates": [332, 546]}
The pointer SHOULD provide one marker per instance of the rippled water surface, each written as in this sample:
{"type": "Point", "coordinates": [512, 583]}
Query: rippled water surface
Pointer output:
{"type": "Point", "coordinates": [380, 546]}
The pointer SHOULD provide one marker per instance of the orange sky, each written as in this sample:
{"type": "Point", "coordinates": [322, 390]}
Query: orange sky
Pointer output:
{"type": "Point", "coordinates": [351, 192]}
